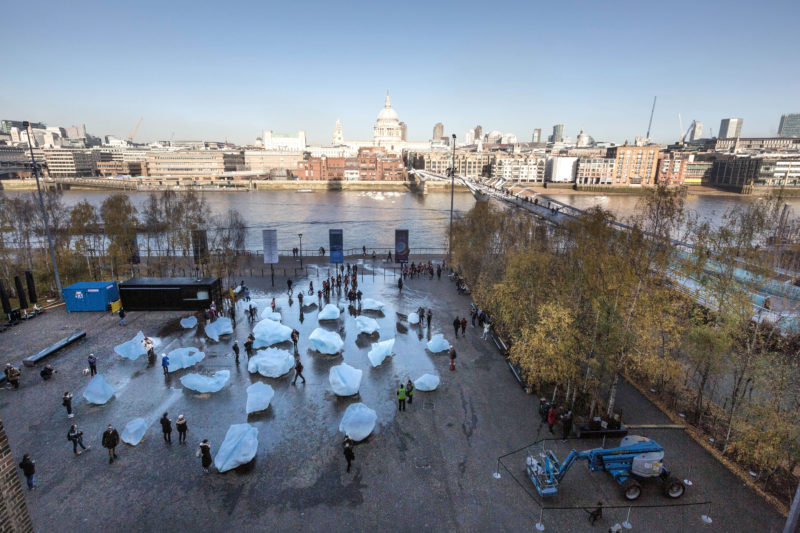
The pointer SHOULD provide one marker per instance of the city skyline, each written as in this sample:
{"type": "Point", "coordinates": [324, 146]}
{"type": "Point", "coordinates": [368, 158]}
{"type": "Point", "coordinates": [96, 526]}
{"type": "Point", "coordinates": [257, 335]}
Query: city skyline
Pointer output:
{"type": "Point", "coordinates": [180, 72]}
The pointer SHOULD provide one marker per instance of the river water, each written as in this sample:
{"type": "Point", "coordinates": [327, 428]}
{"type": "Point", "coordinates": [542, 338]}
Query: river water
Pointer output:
{"type": "Point", "coordinates": [369, 218]}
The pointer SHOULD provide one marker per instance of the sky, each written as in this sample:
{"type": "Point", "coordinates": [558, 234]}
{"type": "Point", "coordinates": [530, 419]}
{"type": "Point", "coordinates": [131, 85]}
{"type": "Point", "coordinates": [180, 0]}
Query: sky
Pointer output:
{"type": "Point", "coordinates": [216, 71]}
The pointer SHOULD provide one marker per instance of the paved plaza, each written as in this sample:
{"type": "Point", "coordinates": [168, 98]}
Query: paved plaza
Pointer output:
{"type": "Point", "coordinates": [426, 469]}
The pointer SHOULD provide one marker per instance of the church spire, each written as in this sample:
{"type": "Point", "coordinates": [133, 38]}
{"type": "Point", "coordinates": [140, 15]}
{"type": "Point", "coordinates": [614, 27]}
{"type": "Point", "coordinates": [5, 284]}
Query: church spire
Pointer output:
{"type": "Point", "coordinates": [388, 102]}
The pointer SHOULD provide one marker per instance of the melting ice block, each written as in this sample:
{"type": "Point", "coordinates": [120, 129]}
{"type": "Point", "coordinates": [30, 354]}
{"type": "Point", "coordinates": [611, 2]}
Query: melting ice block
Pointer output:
{"type": "Point", "coordinates": [184, 358]}
{"type": "Point", "coordinates": [221, 326]}
{"type": "Point", "coordinates": [372, 305]}
{"type": "Point", "coordinates": [438, 343]}
{"type": "Point", "coordinates": [329, 312]}
{"type": "Point", "coordinates": [380, 351]}
{"type": "Point", "coordinates": [133, 348]}
{"type": "Point", "coordinates": [268, 332]}
{"type": "Point", "coordinates": [258, 397]}
{"type": "Point", "coordinates": [413, 318]}
{"type": "Point", "coordinates": [325, 341]}
{"type": "Point", "coordinates": [238, 448]}
{"type": "Point", "coordinates": [344, 379]}
{"type": "Point", "coordinates": [367, 325]}
{"type": "Point", "coordinates": [200, 383]}
{"type": "Point", "coordinates": [98, 391]}
{"type": "Point", "coordinates": [358, 421]}
{"type": "Point", "coordinates": [272, 315]}
{"type": "Point", "coordinates": [134, 431]}
{"type": "Point", "coordinates": [426, 382]}
{"type": "Point", "coordinates": [271, 363]}
{"type": "Point", "coordinates": [189, 322]}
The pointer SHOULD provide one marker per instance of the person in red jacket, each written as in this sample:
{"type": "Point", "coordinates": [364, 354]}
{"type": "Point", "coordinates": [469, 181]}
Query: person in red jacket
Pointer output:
{"type": "Point", "coordinates": [552, 418]}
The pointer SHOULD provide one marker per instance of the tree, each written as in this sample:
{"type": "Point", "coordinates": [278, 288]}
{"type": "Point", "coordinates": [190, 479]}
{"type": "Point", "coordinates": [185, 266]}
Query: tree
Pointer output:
{"type": "Point", "coordinates": [85, 230]}
{"type": "Point", "coordinates": [119, 222]}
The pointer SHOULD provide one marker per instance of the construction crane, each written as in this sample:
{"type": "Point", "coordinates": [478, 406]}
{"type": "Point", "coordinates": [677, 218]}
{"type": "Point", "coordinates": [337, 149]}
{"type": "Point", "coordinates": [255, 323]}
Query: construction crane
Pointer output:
{"type": "Point", "coordinates": [135, 130]}
{"type": "Point", "coordinates": [650, 124]}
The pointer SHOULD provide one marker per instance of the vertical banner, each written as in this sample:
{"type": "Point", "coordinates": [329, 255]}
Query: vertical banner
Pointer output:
{"type": "Point", "coordinates": [401, 245]}
{"type": "Point", "coordinates": [270, 239]}
{"type": "Point", "coordinates": [200, 245]}
{"type": "Point", "coordinates": [337, 246]}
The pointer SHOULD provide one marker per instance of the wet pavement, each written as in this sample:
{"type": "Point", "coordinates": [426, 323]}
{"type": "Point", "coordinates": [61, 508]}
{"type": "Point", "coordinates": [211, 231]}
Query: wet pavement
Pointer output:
{"type": "Point", "coordinates": [427, 468]}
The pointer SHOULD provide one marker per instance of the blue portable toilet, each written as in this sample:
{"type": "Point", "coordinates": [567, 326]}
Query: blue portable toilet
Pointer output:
{"type": "Point", "coordinates": [91, 295]}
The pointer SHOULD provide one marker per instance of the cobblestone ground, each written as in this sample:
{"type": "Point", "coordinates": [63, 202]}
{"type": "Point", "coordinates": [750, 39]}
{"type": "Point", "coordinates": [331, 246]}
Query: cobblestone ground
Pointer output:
{"type": "Point", "coordinates": [429, 468]}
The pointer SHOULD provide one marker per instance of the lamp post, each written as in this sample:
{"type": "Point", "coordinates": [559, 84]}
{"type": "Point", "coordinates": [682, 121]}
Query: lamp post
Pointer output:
{"type": "Point", "coordinates": [452, 189]}
{"type": "Point", "coordinates": [300, 235]}
{"type": "Point", "coordinates": [27, 125]}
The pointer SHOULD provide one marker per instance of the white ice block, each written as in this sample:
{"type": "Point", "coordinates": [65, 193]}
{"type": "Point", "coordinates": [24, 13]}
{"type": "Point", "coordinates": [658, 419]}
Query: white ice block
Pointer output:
{"type": "Point", "coordinates": [329, 312]}
{"type": "Point", "coordinates": [413, 318]}
{"type": "Point", "coordinates": [368, 304]}
{"type": "Point", "coordinates": [358, 421]}
{"type": "Point", "coordinates": [98, 391]}
{"type": "Point", "coordinates": [380, 351]}
{"type": "Point", "coordinates": [325, 341]}
{"type": "Point", "coordinates": [438, 343]}
{"type": "Point", "coordinates": [345, 379]}
{"type": "Point", "coordinates": [365, 324]}
{"type": "Point", "coordinates": [426, 382]}
{"type": "Point", "coordinates": [271, 363]}
{"type": "Point", "coordinates": [189, 322]}
{"type": "Point", "coordinates": [268, 332]}
{"type": "Point", "coordinates": [200, 383]}
{"type": "Point", "coordinates": [134, 431]}
{"type": "Point", "coordinates": [258, 397]}
{"type": "Point", "coordinates": [221, 326]}
{"type": "Point", "coordinates": [238, 448]}
{"type": "Point", "coordinates": [133, 348]}
{"type": "Point", "coordinates": [184, 358]}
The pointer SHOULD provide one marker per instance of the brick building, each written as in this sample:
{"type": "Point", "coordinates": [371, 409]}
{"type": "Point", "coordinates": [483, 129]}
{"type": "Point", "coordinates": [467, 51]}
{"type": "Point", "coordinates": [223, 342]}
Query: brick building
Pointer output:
{"type": "Point", "coordinates": [682, 168]}
{"type": "Point", "coordinates": [634, 165]}
{"type": "Point", "coordinates": [371, 164]}
{"type": "Point", "coordinates": [14, 515]}
{"type": "Point", "coordinates": [121, 168]}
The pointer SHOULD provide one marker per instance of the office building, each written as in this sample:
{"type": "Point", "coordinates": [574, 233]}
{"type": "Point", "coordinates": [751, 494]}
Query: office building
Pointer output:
{"type": "Point", "coordinates": [595, 171]}
{"type": "Point", "coordinates": [514, 167]}
{"type": "Point", "coordinates": [730, 128]}
{"type": "Point", "coordinates": [438, 131]}
{"type": "Point", "coordinates": [561, 169]}
{"type": "Point", "coordinates": [284, 141]}
{"type": "Point", "coordinates": [468, 164]}
{"type": "Point", "coordinates": [121, 168]}
{"type": "Point", "coordinates": [14, 163]}
{"type": "Point", "coordinates": [537, 135]}
{"type": "Point", "coordinates": [6, 125]}
{"type": "Point", "coordinates": [558, 133]}
{"type": "Point", "coordinates": [69, 163]}
{"type": "Point", "coordinates": [789, 125]}
{"type": "Point", "coordinates": [634, 165]}
{"type": "Point", "coordinates": [743, 172]}
{"type": "Point", "coordinates": [266, 160]}
{"type": "Point", "coordinates": [757, 144]}
{"type": "Point", "coordinates": [682, 168]}
{"type": "Point", "coordinates": [695, 130]}
{"type": "Point", "coordinates": [194, 163]}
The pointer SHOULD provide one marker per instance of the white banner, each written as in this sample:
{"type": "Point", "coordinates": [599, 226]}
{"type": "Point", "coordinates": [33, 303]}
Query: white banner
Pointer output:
{"type": "Point", "coordinates": [270, 237]}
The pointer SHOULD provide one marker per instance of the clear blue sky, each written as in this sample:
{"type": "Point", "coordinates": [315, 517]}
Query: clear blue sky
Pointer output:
{"type": "Point", "coordinates": [218, 70]}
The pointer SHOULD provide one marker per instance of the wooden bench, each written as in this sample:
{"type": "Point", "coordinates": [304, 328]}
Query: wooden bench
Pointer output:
{"type": "Point", "coordinates": [53, 348]}
{"type": "Point", "coordinates": [584, 431]}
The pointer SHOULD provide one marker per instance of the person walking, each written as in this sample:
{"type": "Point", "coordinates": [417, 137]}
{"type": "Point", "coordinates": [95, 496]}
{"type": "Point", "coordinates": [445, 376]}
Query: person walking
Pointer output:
{"type": "Point", "coordinates": [410, 391]}
{"type": "Point", "coordinates": [400, 284]}
{"type": "Point", "coordinates": [248, 345]}
{"type": "Point", "coordinates": [452, 354]}
{"type": "Point", "coordinates": [236, 351]}
{"type": "Point", "coordinates": [92, 364]}
{"type": "Point", "coordinates": [464, 327]}
{"type": "Point", "coordinates": [348, 452]}
{"type": "Point", "coordinates": [166, 428]}
{"type": "Point", "coordinates": [110, 441]}
{"type": "Point", "coordinates": [552, 418]}
{"type": "Point", "coordinates": [474, 314]}
{"type": "Point", "coordinates": [66, 401]}
{"type": "Point", "coordinates": [438, 272]}
{"type": "Point", "coordinates": [204, 453]}
{"type": "Point", "coordinates": [485, 335]}
{"type": "Point", "coordinates": [28, 467]}
{"type": "Point", "coordinates": [182, 427]}
{"type": "Point", "coordinates": [295, 338]}
{"type": "Point", "coordinates": [566, 425]}
{"type": "Point", "coordinates": [456, 325]}
{"type": "Point", "coordinates": [165, 363]}
{"type": "Point", "coordinates": [429, 316]}
{"type": "Point", "coordinates": [401, 398]}
{"type": "Point", "coordinates": [76, 436]}
{"type": "Point", "coordinates": [298, 371]}
{"type": "Point", "coordinates": [121, 316]}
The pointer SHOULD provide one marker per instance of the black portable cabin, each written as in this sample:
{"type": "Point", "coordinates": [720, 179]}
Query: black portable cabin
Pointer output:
{"type": "Point", "coordinates": [170, 294]}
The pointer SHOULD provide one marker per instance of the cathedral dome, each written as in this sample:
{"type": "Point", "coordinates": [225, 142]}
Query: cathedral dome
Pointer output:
{"type": "Point", "coordinates": [388, 114]}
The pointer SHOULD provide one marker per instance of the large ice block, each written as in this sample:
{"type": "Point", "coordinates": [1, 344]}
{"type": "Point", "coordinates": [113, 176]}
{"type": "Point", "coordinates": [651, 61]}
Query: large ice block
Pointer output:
{"type": "Point", "coordinates": [271, 363]}
{"type": "Point", "coordinates": [98, 391]}
{"type": "Point", "coordinates": [358, 421]}
{"type": "Point", "coordinates": [272, 315]}
{"type": "Point", "coordinates": [134, 431]}
{"type": "Point", "coordinates": [221, 326]}
{"type": "Point", "coordinates": [426, 382]}
{"type": "Point", "coordinates": [365, 324]}
{"type": "Point", "coordinates": [380, 351]}
{"type": "Point", "coordinates": [258, 397]}
{"type": "Point", "coordinates": [238, 448]}
{"type": "Point", "coordinates": [184, 358]}
{"type": "Point", "coordinates": [413, 318]}
{"type": "Point", "coordinates": [368, 304]}
{"type": "Point", "coordinates": [200, 383]}
{"type": "Point", "coordinates": [268, 332]}
{"type": "Point", "coordinates": [438, 343]}
{"type": "Point", "coordinates": [189, 322]}
{"type": "Point", "coordinates": [133, 348]}
{"type": "Point", "coordinates": [325, 341]}
{"type": "Point", "coordinates": [329, 312]}
{"type": "Point", "coordinates": [344, 379]}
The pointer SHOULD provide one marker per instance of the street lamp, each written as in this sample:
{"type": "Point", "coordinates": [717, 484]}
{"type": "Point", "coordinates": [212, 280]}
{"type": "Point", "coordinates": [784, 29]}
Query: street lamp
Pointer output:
{"type": "Point", "coordinates": [301, 249]}
{"type": "Point", "coordinates": [452, 189]}
{"type": "Point", "coordinates": [27, 125]}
